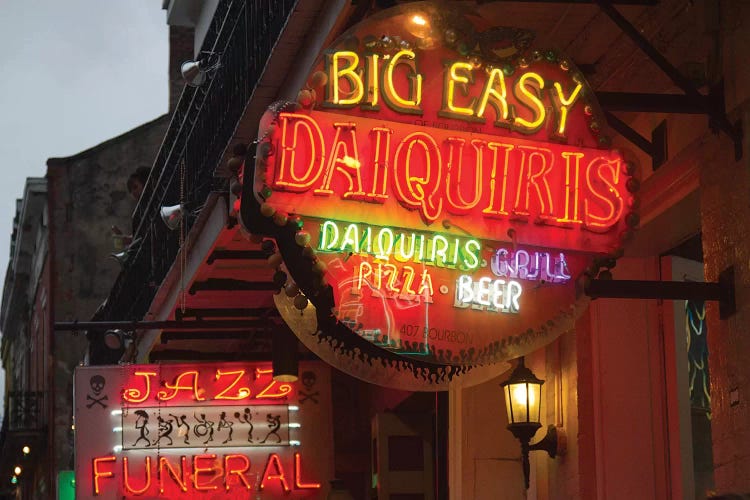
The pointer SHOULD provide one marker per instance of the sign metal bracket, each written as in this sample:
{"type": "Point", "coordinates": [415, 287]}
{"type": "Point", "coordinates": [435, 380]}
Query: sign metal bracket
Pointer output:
{"type": "Point", "coordinates": [712, 105]}
{"type": "Point", "coordinates": [722, 291]}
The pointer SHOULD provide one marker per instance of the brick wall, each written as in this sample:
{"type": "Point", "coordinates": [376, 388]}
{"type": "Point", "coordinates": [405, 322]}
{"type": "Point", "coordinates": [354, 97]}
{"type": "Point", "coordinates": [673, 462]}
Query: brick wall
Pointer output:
{"type": "Point", "coordinates": [180, 50]}
{"type": "Point", "coordinates": [725, 217]}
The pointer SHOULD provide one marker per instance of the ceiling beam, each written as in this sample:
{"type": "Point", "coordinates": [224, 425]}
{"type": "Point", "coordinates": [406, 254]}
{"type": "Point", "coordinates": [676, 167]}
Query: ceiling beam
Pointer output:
{"type": "Point", "coordinates": [230, 324]}
{"type": "Point", "coordinates": [169, 336]}
{"type": "Point", "coordinates": [236, 255]}
{"type": "Point", "coordinates": [219, 312]}
{"type": "Point", "coordinates": [647, 3]}
{"type": "Point", "coordinates": [230, 285]}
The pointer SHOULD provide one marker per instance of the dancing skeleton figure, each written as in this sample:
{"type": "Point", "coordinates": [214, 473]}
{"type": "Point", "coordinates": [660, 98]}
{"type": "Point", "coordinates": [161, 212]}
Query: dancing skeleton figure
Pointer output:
{"type": "Point", "coordinates": [165, 429]}
{"type": "Point", "coordinates": [141, 424]}
{"type": "Point", "coordinates": [225, 424]}
{"type": "Point", "coordinates": [274, 424]}
{"type": "Point", "coordinates": [246, 417]}
{"type": "Point", "coordinates": [204, 428]}
{"type": "Point", "coordinates": [180, 423]}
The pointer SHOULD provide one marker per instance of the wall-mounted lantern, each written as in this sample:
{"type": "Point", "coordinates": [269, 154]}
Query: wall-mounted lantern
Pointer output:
{"type": "Point", "coordinates": [523, 401]}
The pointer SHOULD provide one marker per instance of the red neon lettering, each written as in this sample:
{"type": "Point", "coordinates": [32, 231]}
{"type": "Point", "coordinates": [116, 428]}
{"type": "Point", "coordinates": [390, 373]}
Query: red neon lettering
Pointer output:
{"type": "Point", "coordinates": [126, 477]}
{"type": "Point", "coordinates": [135, 395]}
{"type": "Point", "coordinates": [498, 182]}
{"type": "Point", "coordinates": [381, 155]}
{"type": "Point", "coordinates": [455, 175]}
{"type": "Point", "coordinates": [242, 392]}
{"type": "Point", "coordinates": [311, 148]}
{"type": "Point", "coordinates": [298, 484]}
{"type": "Point", "coordinates": [198, 470]}
{"type": "Point", "coordinates": [277, 473]}
{"type": "Point", "coordinates": [419, 190]}
{"type": "Point", "coordinates": [101, 474]}
{"type": "Point", "coordinates": [601, 171]}
{"type": "Point", "coordinates": [240, 472]}
{"type": "Point", "coordinates": [430, 170]}
{"type": "Point", "coordinates": [529, 178]}
{"type": "Point", "coordinates": [178, 478]}
{"type": "Point", "coordinates": [572, 186]}
{"type": "Point", "coordinates": [177, 387]}
{"type": "Point", "coordinates": [344, 158]}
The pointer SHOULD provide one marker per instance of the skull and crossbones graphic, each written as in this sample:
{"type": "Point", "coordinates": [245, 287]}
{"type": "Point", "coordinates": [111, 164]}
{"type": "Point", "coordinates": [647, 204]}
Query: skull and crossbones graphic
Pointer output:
{"type": "Point", "coordinates": [308, 380]}
{"type": "Point", "coordinates": [97, 383]}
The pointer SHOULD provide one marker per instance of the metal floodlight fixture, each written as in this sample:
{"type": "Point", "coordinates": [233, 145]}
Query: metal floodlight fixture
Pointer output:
{"type": "Point", "coordinates": [116, 339]}
{"type": "Point", "coordinates": [523, 401]}
{"type": "Point", "coordinates": [172, 215]}
{"type": "Point", "coordinates": [121, 257]}
{"type": "Point", "coordinates": [195, 72]}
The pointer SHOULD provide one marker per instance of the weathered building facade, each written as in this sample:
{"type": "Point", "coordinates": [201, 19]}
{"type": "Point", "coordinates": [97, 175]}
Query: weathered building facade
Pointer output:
{"type": "Point", "coordinates": [60, 270]}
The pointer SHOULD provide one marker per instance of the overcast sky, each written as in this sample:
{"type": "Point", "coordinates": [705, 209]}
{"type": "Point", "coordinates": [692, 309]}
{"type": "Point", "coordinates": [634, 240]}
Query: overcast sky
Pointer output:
{"type": "Point", "coordinates": [73, 73]}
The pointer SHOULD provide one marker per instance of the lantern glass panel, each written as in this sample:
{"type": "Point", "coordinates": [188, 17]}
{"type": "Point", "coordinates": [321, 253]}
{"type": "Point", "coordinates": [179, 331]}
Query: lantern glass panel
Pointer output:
{"type": "Point", "coordinates": [523, 402]}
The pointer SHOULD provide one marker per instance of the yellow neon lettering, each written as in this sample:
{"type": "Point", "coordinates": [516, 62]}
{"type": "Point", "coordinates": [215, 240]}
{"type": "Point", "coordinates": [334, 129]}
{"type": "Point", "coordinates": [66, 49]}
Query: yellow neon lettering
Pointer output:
{"type": "Point", "coordinates": [565, 104]}
{"type": "Point", "coordinates": [373, 88]}
{"type": "Point", "coordinates": [135, 395]}
{"type": "Point", "coordinates": [392, 272]}
{"type": "Point", "coordinates": [426, 286]}
{"type": "Point", "coordinates": [454, 77]}
{"type": "Point", "coordinates": [178, 386]}
{"type": "Point", "coordinates": [394, 100]}
{"type": "Point", "coordinates": [530, 98]}
{"type": "Point", "coordinates": [408, 280]}
{"type": "Point", "coordinates": [241, 393]}
{"type": "Point", "coordinates": [283, 389]}
{"type": "Point", "coordinates": [499, 99]}
{"type": "Point", "coordinates": [349, 74]}
{"type": "Point", "coordinates": [363, 273]}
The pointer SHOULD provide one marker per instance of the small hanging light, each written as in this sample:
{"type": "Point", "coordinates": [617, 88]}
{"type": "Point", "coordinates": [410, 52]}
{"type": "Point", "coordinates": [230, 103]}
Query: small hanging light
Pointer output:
{"type": "Point", "coordinates": [284, 356]}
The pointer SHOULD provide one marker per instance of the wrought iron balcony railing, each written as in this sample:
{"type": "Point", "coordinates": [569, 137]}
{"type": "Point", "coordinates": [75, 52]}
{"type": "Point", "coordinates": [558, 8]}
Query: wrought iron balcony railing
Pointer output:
{"type": "Point", "coordinates": [243, 33]}
{"type": "Point", "coordinates": [25, 411]}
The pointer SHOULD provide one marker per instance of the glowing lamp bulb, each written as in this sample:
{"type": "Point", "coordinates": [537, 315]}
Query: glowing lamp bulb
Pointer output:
{"type": "Point", "coordinates": [17, 470]}
{"type": "Point", "coordinates": [418, 20]}
{"type": "Point", "coordinates": [26, 450]}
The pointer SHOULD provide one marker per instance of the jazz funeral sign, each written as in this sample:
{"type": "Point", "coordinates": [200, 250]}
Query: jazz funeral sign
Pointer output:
{"type": "Point", "coordinates": [449, 195]}
{"type": "Point", "coordinates": [228, 430]}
